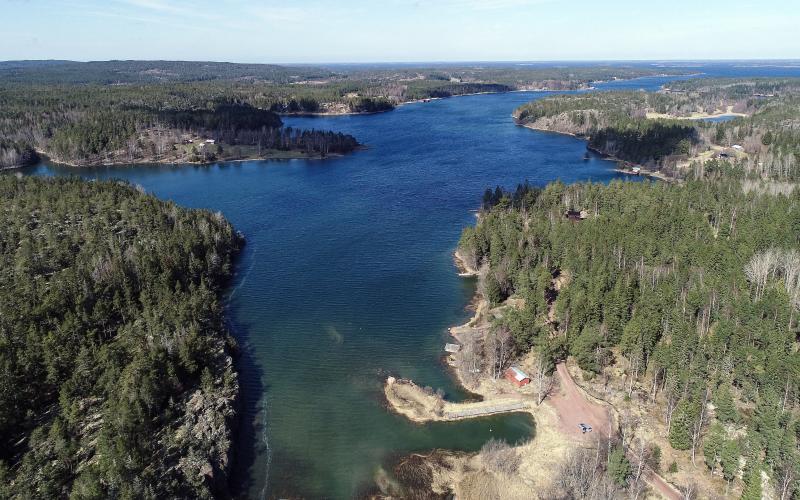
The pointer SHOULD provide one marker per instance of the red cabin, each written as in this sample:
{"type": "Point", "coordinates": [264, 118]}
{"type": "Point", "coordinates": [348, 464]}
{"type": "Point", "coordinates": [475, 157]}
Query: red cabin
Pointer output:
{"type": "Point", "coordinates": [517, 376]}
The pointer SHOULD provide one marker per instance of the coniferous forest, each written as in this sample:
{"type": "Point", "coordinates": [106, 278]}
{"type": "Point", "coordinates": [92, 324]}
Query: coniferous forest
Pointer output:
{"type": "Point", "coordinates": [164, 111]}
{"type": "Point", "coordinates": [116, 379]}
{"type": "Point", "coordinates": [684, 297]}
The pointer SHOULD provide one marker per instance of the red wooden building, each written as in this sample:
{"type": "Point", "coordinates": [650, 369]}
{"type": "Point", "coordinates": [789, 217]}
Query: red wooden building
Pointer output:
{"type": "Point", "coordinates": [517, 376]}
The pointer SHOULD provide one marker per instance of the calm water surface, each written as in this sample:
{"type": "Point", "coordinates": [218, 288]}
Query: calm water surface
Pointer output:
{"type": "Point", "coordinates": [347, 276]}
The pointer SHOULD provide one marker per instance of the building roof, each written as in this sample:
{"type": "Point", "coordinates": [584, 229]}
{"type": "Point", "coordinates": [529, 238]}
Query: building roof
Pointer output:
{"type": "Point", "coordinates": [452, 347]}
{"type": "Point", "coordinates": [518, 374]}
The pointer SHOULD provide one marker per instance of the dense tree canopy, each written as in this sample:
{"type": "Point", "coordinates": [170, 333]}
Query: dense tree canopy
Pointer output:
{"type": "Point", "coordinates": [115, 378]}
{"type": "Point", "coordinates": [696, 286]}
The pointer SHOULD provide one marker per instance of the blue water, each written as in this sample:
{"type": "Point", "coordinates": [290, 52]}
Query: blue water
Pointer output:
{"type": "Point", "coordinates": [719, 119]}
{"type": "Point", "coordinates": [347, 276]}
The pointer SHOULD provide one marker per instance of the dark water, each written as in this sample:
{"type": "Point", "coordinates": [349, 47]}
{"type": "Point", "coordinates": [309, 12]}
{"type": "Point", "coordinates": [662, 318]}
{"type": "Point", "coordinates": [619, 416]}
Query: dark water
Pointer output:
{"type": "Point", "coordinates": [348, 276]}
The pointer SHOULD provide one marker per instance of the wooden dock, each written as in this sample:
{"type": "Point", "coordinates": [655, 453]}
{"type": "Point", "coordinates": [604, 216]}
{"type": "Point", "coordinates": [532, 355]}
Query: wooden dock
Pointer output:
{"type": "Point", "coordinates": [457, 411]}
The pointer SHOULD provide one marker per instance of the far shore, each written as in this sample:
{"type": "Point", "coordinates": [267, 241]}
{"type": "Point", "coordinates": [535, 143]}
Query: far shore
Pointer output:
{"type": "Point", "coordinates": [278, 155]}
{"type": "Point", "coordinates": [583, 87]}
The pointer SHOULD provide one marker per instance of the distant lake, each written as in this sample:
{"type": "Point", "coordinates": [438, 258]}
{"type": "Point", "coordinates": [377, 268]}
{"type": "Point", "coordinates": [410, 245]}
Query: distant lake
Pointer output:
{"type": "Point", "coordinates": [347, 277]}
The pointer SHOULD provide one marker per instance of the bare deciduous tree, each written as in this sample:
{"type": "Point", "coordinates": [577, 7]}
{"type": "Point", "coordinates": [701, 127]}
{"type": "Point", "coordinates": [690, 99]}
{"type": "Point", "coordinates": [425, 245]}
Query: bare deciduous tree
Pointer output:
{"type": "Point", "coordinates": [583, 475]}
{"type": "Point", "coordinates": [672, 396]}
{"type": "Point", "coordinates": [542, 380]}
{"type": "Point", "coordinates": [498, 348]}
{"type": "Point", "coordinates": [688, 491]}
{"type": "Point", "coordinates": [469, 358]}
{"type": "Point", "coordinates": [699, 424]}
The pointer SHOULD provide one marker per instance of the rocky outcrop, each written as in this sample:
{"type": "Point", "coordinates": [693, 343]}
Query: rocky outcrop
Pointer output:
{"type": "Point", "coordinates": [197, 446]}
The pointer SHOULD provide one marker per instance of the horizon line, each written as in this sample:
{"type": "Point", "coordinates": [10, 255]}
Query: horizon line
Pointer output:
{"type": "Point", "coordinates": [442, 61]}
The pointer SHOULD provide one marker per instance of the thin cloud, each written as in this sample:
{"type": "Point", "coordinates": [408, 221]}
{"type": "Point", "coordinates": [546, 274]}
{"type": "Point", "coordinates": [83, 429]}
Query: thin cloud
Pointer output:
{"type": "Point", "coordinates": [281, 14]}
{"type": "Point", "coordinates": [157, 5]}
{"type": "Point", "coordinates": [144, 19]}
{"type": "Point", "coordinates": [476, 5]}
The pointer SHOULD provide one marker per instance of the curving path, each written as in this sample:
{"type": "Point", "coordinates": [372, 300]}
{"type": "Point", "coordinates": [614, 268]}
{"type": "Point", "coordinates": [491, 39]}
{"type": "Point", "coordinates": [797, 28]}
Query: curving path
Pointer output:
{"type": "Point", "coordinates": [573, 408]}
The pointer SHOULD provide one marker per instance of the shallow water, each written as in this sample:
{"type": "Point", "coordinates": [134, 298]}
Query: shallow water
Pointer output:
{"type": "Point", "coordinates": [347, 276]}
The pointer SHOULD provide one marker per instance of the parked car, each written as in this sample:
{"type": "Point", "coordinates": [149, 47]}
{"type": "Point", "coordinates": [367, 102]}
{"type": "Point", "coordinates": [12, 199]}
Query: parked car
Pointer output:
{"type": "Point", "coordinates": [585, 428]}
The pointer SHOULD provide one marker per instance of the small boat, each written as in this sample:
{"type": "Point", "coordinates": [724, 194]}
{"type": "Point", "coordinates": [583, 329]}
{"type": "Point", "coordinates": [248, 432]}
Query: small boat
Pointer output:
{"type": "Point", "coordinates": [586, 157]}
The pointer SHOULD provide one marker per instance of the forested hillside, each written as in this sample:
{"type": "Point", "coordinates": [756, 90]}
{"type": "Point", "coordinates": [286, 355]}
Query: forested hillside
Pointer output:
{"type": "Point", "coordinates": [165, 111]}
{"type": "Point", "coordinates": [666, 130]}
{"type": "Point", "coordinates": [683, 298]}
{"type": "Point", "coordinates": [92, 124]}
{"type": "Point", "coordinates": [115, 374]}
{"type": "Point", "coordinates": [138, 72]}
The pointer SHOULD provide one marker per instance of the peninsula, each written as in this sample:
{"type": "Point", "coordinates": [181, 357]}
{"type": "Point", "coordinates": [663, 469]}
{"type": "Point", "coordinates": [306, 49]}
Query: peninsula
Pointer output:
{"type": "Point", "coordinates": [632, 318]}
{"type": "Point", "coordinates": [672, 131]}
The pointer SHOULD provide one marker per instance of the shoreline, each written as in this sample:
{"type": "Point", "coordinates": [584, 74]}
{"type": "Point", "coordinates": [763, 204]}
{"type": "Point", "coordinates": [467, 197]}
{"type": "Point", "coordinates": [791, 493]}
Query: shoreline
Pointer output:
{"type": "Point", "coordinates": [44, 157]}
{"type": "Point", "coordinates": [540, 456]}
{"type": "Point", "coordinates": [644, 171]}
{"type": "Point", "coordinates": [555, 435]}
{"type": "Point", "coordinates": [590, 85]}
{"type": "Point", "coordinates": [464, 269]}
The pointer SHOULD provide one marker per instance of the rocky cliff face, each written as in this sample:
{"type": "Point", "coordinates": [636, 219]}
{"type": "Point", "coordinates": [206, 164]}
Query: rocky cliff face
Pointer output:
{"type": "Point", "coordinates": [198, 445]}
{"type": "Point", "coordinates": [193, 452]}
{"type": "Point", "coordinates": [579, 123]}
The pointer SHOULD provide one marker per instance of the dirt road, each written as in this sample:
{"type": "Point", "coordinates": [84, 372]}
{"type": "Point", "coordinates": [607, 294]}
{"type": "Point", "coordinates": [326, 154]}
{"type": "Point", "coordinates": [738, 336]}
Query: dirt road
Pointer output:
{"type": "Point", "coordinates": [574, 408]}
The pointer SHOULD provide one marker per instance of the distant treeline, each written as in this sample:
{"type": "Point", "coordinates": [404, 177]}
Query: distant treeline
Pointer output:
{"type": "Point", "coordinates": [144, 72]}
{"type": "Point", "coordinates": [138, 72]}
{"type": "Point", "coordinates": [127, 111]}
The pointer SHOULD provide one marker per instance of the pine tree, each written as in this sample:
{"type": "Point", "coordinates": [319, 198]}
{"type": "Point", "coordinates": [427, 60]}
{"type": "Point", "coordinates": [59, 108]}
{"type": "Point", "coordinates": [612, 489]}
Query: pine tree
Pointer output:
{"type": "Point", "coordinates": [725, 406]}
{"type": "Point", "coordinates": [729, 459]}
{"type": "Point", "coordinates": [712, 446]}
{"type": "Point", "coordinates": [680, 434]}
{"type": "Point", "coordinates": [619, 468]}
{"type": "Point", "coordinates": [752, 489]}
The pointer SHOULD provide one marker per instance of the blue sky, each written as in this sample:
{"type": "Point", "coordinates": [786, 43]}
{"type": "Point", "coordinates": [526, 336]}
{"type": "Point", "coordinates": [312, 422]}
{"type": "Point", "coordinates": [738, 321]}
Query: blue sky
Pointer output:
{"type": "Point", "coordinates": [308, 31]}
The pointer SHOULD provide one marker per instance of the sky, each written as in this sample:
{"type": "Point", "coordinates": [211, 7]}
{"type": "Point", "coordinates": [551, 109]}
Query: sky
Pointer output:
{"type": "Point", "coordinates": [317, 31]}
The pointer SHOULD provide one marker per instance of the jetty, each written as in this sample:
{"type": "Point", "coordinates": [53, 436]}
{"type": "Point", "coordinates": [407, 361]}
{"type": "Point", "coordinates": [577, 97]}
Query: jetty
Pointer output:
{"type": "Point", "coordinates": [423, 405]}
{"type": "Point", "coordinates": [457, 411]}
